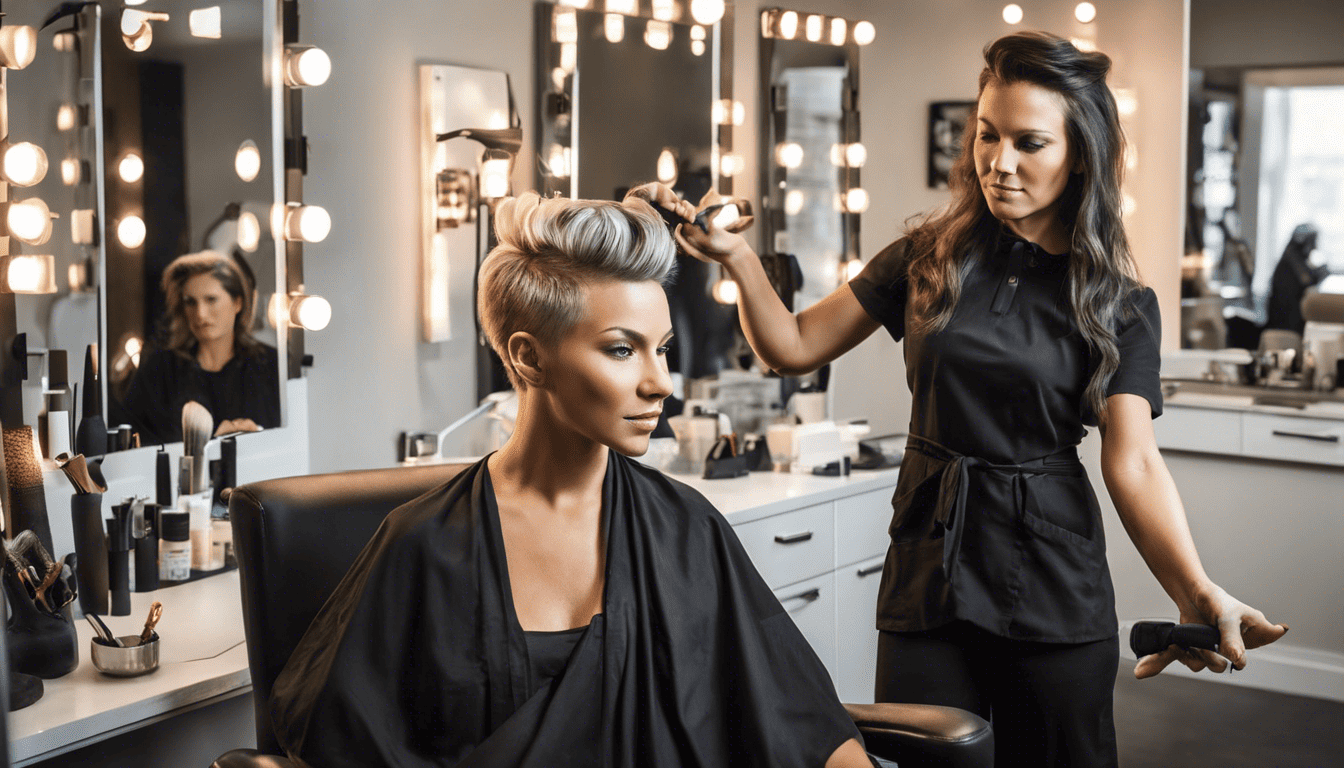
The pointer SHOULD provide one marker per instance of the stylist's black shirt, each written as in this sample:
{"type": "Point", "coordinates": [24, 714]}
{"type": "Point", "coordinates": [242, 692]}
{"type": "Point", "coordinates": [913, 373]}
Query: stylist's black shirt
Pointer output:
{"type": "Point", "coordinates": [995, 521]}
{"type": "Point", "coordinates": [247, 387]}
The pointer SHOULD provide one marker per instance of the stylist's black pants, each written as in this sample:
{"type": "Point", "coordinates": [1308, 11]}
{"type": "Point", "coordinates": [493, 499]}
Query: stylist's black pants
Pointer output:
{"type": "Point", "coordinates": [1050, 703]}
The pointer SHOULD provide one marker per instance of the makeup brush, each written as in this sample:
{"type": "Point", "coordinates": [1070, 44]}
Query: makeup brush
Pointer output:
{"type": "Point", "coordinates": [77, 470]}
{"type": "Point", "coordinates": [197, 426]}
{"type": "Point", "coordinates": [26, 500]}
{"type": "Point", "coordinates": [91, 437]}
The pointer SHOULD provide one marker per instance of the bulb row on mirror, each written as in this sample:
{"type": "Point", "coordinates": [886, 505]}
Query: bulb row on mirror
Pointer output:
{"type": "Point", "coordinates": [705, 12]}
{"type": "Point", "coordinates": [815, 28]}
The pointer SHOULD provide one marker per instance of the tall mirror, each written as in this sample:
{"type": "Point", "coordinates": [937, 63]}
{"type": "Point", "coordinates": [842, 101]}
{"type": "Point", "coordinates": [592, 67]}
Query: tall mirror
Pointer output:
{"type": "Point", "coordinates": [190, 263]}
{"type": "Point", "coordinates": [632, 92]}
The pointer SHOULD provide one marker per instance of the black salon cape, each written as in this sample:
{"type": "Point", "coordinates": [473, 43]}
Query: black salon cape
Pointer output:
{"type": "Point", "coordinates": [418, 659]}
{"type": "Point", "coordinates": [247, 387]}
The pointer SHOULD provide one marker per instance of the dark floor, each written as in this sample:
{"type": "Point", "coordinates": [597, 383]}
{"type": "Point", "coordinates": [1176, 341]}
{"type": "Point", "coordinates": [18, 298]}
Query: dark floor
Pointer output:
{"type": "Point", "coordinates": [1175, 722]}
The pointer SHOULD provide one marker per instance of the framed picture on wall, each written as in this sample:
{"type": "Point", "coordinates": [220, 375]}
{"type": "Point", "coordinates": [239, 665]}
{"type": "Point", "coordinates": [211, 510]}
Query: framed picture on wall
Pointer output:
{"type": "Point", "coordinates": [947, 119]}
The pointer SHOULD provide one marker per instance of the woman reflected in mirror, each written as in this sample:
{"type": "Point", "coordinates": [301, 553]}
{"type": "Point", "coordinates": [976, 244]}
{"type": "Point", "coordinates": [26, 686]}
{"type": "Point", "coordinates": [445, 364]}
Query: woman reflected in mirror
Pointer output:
{"type": "Point", "coordinates": [208, 354]}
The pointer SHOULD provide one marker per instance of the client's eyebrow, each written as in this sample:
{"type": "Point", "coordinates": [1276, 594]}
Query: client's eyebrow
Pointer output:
{"type": "Point", "coordinates": [635, 336]}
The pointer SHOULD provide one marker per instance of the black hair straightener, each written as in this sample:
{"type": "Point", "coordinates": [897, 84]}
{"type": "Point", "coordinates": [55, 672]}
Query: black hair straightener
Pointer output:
{"type": "Point", "coordinates": [723, 215]}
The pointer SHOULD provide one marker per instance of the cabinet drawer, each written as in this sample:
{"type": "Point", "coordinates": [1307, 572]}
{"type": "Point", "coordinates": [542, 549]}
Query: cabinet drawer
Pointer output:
{"type": "Point", "coordinates": [811, 604]}
{"type": "Point", "coordinates": [861, 524]}
{"type": "Point", "coordinates": [855, 629]}
{"type": "Point", "coordinates": [793, 546]}
{"type": "Point", "coordinates": [1199, 429]}
{"type": "Point", "coordinates": [1318, 441]}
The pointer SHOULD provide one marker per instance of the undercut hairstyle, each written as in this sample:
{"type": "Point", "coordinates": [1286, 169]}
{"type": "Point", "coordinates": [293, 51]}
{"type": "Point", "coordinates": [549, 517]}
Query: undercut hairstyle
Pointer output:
{"type": "Point", "coordinates": [231, 276]}
{"type": "Point", "coordinates": [1101, 268]}
{"type": "Point", "coordinates": [550, 250]}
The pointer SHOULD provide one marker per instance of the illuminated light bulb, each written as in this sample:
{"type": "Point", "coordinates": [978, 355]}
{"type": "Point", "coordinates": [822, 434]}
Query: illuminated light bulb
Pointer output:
{"type": "Point", "coordinates": [1085, 12]}
{"type": "Point", "coordinates": [731, 164]}
{"type": "Point", "coordinates": [1128, 204]}
{"type": "Point", "coordinates": [813, 27]}
{"type": "Point", "coordinates": [658, 35]}
{"type": "Point", "coordinates": [864, 32]}
{"type": "Point", "coordinates": [82, 226]}
{"type": "Point", "coordinates": [839, 31]}
{"type": "Point", "coordinates": [614, 27]}
{"type": "Point", "coordinates": [856, 200]}
{"type": "Point", "coordinates": [627, 7]}
{"type": "Point", "coordinates": [133, 346]}
{"type": "Point", "coordinates": [707, 11]}
{"type": "Point", "coordinates": [495, 178]}
{"type": "Point", "coordinates": [664, 10]}
{"type": "Point", "coordinates": [136, 31]}
{"type": "Point", "coordinates": [29, 274]}
{"type": "Point", "coordinates": [30, 221]}
{"type": "Point", "coordinates": [1126, 102]}
{"type": "Point", "coordinates": [65, 117]}
{"type": "Point", "coordinates": [306, 65]}
{"type": "Point", "coordinates": [698, 47]}
{"type": "Point", "coordinates": [247, 160]}
{"type": "Point", "coordinates": [1131, 157]}
{"type": "Point", "coordinates": [698, 32]}
{"type": "Point", "coordinates": [851, 269]}
{"type": "Point", "coordinates": [789, 154]}
{"type": "Point", "coordinates": [70, 171]}
{"type": "Point", "coordinates": [793, 201]}
{"type": "Point", "coordinates": [131, 168]}
{"type": "Point", "coordinates": [725, 291]}
{"type": "Point", "coordinates": [667, 166]}
{"type": "Point", "coordinates": [249, 231]}
{"type": "Point", "coordinates": [558, 76]}
{"type": "Point", "coordinates": [498, 120]}
{"type": "Point", "coordinates": [64, 42]}
{"type": "Point", "coordinates": [205, 22]}
{"type": "Point", "coordinates": [577, 3]}
{"type": "Point", "coordinates": [1012, 13]}
{"type": "Point", "coordinates": [18, 46]}
{"type": "Point", "coordinates": [728, 112]}
{"type": "Point", "coordinates": [1083, 44]}
{"type": "Point", "coordinates": [788, 24]}
{"type": "Point", "coordinates": [134, 2]}
{"type": "Point", "coordinates": [131, 232]}
{"type": "Point", "coordinates": [569, 57]}
{"type": "Point", "coordinates": [856, 155]}
{"type": "Point", "coordinates": [309, 223]}
{"type": "Point", "coordinates": [767, 23]}
{"type": "Point", "coordinates": [558, 161]}
{"type": "Point", "coordinates": [565, 26]}
{"type": "Point", "coordinates": [311, 313]}
{"type": "Point", "coordinates": [25, 164]}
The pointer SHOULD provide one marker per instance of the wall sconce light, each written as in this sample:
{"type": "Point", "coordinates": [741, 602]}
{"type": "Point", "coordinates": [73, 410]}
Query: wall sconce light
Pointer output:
{"type": "Point", "coordinates": [27, 274]}
{"type": "Point", "coordinates": [306, 65]}
{"type": "Point", "coordinates": [25, 164]}
{"type": "Point", "coordinates": [496, 169]}
{"type": "Point", "coordinates": [456, 203]}
{"type": "Point", "coordinates": [136, 32]}
{"type": "Point", "coordinates": [501, 147]}
{"type": "Point", "coordinates": [206, 22]}
{"type": "Point", "coordinates": [131, 168]}
{"type": "Point", "coordinates": [707, 12]}
{"type": "Point", "coordinates": [247, 161]}
{"type": "Point", "coordinates": [658, 34]}
{"type": "Point", "coordinates": [308, 223]}
{"type": "Point", "coordinates": [131, 232]}
{"type": "Point", "coordinates": [18, 46]}
{"type": "Point", "coordinates": [30, 221]}
{"type": "Point", "coordinates": [311, 313]}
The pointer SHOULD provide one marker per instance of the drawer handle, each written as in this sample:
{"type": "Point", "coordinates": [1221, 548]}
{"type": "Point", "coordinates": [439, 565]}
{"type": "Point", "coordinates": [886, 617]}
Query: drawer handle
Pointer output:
{"type": "Point", "coordinates": [809, 595]}
{"type": "Point", "coordinates": [1307, 436]}
{"type": "Point", "coordinates": [792, 538]}
{"type": "Point", "coordinates": [870, 570]}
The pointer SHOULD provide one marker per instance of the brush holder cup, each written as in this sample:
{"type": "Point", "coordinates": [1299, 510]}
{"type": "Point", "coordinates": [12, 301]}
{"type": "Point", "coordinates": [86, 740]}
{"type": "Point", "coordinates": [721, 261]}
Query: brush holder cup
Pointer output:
{"type": "Point", "coordinates": [133, 660]}
{"type": "Point", "coordinates": [86, 518]}
{"type": "Point", "coordinates": [41, 644]}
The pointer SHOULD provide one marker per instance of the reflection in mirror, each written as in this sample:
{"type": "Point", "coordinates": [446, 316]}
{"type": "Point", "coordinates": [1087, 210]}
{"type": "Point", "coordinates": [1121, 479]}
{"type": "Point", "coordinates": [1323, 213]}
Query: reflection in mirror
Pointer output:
{"type": "Point", "coordinates": [190, 257]}
{"type": "Point", "coordinates": [810, 152]}
{"type": "Point", "coordinates": [638, 96]}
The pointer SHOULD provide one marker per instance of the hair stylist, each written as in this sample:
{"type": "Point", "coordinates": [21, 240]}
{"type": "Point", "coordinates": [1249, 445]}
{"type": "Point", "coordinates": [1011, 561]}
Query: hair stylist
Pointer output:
{"type": "Point", "coordinates": [1023, 321]}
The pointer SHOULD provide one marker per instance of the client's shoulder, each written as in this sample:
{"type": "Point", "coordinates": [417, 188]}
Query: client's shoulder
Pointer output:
{"type": "Point", "coordinates": [691, 506]}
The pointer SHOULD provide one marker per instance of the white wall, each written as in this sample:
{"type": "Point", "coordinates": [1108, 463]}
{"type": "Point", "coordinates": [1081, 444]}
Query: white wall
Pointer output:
{"type": "Point", "coordinates": [1255, 33]}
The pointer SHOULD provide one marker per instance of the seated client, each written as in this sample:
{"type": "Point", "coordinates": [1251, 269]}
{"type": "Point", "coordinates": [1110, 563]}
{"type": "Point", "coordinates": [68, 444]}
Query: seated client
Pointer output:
{"type": "Point", "coordinates": [557, 603]}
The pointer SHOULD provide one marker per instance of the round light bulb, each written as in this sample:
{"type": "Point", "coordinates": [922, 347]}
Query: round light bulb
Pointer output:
{"type": "Point", "coordinates": [725, 291]}
{"type": "Point", "coordinates": [1085, 12]}
{"type": "Point", "coordinates": [25, 164]}
{"type": "Point", "coordinates": [864, 32]}
{"type": "Point", "coordinates": [664, 10]}
{"type": "Point", "coordinates": [707, 11]}
{"type": "Point", "coordinates": [133, 346]}
{"type": "Point", "coordinates": [18, 46]}
{"type": "Point", "coordinates": [856, 200]}
{"type": "Point", "coordinates": [613, 25]}
{"type": "Point", "coordinates": [667, 166]}
{"type": "Point", "coordinates": [30, 274]}
{"type": "Point", "coordinates": [1012, 13]}
{"type": "Point", "coordinates": [70, 171]}
{"type": "Point", "coordinates": [247, 161]}
{"type": "Point", "coordinates": [309, 223]}
{"type": "Point", "coordinates": [731, 164]}
{"type": "Point", "coordinates": [856, 155]}
{"type": "Point", "coordinates": [658, 34]}
{"type": "Point", "coordinates": [306, 66]}
{"type": "Point", "coordinates": [793, 201]}
{"type": "Point", "coordinates": [249, 231]}
{"type": "Point", "coordinates": [788, 24]}
{"type": "Point", "coordinates": [789, 154]}
{"type": "Point", "coordinates": [697, 32]}
{"type": "Point", "coordinates": [131, 168]}
{"type": "Point", "coordinates": [64, 42]}
{"type": "Point", "coordinates": [852, 268]}
{"type": "Point", "coordinates": [812, 28]}
{"type": "Point", "coordinates": [30, 221]}
{"type": "Point", "coordinates": [65, 117]}
{"type": "Point", "coordinates": [131, 232]}
{"type": "Point", "coordinates": [839, 30]}
{"type": "Point", "coordinates": [628, 7]}
{"type": "Point", "coordinates": [311, 313]}
{"type": "Point", "coordinates": [698, 47]}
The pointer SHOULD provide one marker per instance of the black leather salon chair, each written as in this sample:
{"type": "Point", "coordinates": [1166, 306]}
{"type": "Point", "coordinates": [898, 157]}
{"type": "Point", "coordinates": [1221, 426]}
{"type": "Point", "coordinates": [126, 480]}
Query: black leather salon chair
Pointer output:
{"type": "Point", "coordinates": [296, 537]}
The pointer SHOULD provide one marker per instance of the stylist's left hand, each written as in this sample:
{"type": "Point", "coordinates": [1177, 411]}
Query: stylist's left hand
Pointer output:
{"type": "Point", "coordinates": [1241, 628]}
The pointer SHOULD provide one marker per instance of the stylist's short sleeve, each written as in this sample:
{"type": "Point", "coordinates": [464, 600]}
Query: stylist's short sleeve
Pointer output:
{"type": "Point", "coordinates": [881, 288]}
{"type": "Point", "coordinates": [1139, 338]}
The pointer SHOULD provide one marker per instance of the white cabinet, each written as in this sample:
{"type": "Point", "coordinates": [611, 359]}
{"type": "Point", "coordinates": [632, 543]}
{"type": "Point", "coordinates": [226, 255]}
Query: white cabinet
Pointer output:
{"type": "Point", "coordinates": [855, 633]}
{"type": "Point", "coordinates": [811, 604]}
{"type": "Point", "coordinates": [1252, 431]}
{"type": "Point", "coordinates": [793, 545]}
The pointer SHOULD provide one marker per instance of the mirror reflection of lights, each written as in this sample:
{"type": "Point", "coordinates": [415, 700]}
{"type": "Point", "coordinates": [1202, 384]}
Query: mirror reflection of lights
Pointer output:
{"type": "Point", "coordinates": [311, 313]}
{"type": "Point", "coordinates": [850, 269]}
{"type": "Point", "coordinates": [577, 3]}
{"type": "Point", "coordinates": [1083, 44]}
{"type": "Point", "coordinates": [864, 32]}
{"type": "Point", "coordinates": [18, 46]}
{"type": "Point", "coordinates": [247, 161]}
{"type": "Point", "coordinates": [793, 201]}
{"type": "Point", "coordinates": [856, 200]}
{"type": "Point", "coordinates": [707, 11]}
{"type": "Point", "coordinates": [1085, 12]}
{"type": "Point", "coordinates": [134, 346]}
{"type": "Point", "coordinates": [728, 112]}
{"type": "Point", "coordinates": [1126, 103]}
{"type": "Point", "coordinates": [613, 25]}
{"type": "Point", "coordinates": [206, 23]}
{"type": "Point", "coordinates": [658, 34]}
{"type": "Point", "coordinates": [839, 31]}
{"type": "Point", "coordinates": [569, 57]}
{"type": "Point", "coordinates": [131, 232]}
{"type": "Point", "coordinates": [565, 26]}
{"type": "Point", "coordinates": [789, 154]}
{"type": "Point", "coordinates": [731, 164]}
{"type": "Point", "coordinates": [813, 27]}
{"type": "Point", "coordinates": [558, 161]}
{"type": "Point", "coordinates": [136, 31]}
{"type": "Point", "coordinates": [70, 171]}
{"type": "Point", "coordinates": [306, 65]}
{"type": "Point", "coordinates": [698, 47]}
{"type": "Point", "coordinates": [667, 166]}
{"type": "Point", "coordinates": [856, 155]}
{"type": "Point", "coordinates": [1128, 204]}
{"type": "Point", "coordinates": [30, 274]}
{"type": "Point", "coordinates": [627, 7]}
{"type": "Point", "coordinates": [725, 291]}
{"type": "Point", "coordinates": [81, 226]}
{"type": "Point", "coordinates": [249, 231]}
{"type": "Point", "coordinates": [134, 2]}
{"type": "Point", "coordinates": [131, 168]}
{"type": "Point", "coordinates": [65, 42]}
{"type": "Point", "coordinates": [65, 117]}
{"type": "Point", "coordinates": [558, 77]}
{"type": "Point", "coordinates": [30, 221]}
{"type": "Point", "coordinates": [309, 223]}
{"type": "Point", "coordinates": [495, 178]}
{"type": "Point", "coordinates": [788, 24]}
{"type": "Point", "coordinates": [664, 10]}
{"type": "Point", "coordinates": [25, 164]}
{"type": "Point", "coordinates": [1012, 13]}
{"type": "Point", "coordinates": [698, 32]}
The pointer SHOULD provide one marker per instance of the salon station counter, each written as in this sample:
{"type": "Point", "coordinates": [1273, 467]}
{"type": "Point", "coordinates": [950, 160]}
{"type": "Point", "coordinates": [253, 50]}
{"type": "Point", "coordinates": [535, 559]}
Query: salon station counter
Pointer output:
{"type": "Point", "coordinates": [818, 541]}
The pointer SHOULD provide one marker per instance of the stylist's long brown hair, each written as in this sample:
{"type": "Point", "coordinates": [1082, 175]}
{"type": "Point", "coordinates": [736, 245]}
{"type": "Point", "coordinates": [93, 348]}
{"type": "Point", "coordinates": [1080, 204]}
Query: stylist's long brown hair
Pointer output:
{"type": "Point", "coordinates": [1101, 267]}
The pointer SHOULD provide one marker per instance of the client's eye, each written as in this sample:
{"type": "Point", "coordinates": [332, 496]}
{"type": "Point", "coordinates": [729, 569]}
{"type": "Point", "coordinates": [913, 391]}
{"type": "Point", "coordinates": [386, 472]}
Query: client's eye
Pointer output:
{"type": "Point", "coordinates": [621, 351]}
{"type": "Point", "coordinates": [664, 349]}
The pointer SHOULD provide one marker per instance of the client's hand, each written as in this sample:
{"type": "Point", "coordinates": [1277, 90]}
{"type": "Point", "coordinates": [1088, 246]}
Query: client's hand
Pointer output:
{"type": "Point", "coordinates": [229, 426]}
{"type": "Point", "coordinates": [1241, 628]}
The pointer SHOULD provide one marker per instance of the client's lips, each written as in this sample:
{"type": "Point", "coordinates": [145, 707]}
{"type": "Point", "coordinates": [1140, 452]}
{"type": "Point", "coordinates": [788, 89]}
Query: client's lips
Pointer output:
{"type": "Point", "coordinates": [1006, 188]}
{"type": "Point", "coordinates": [645, 416]}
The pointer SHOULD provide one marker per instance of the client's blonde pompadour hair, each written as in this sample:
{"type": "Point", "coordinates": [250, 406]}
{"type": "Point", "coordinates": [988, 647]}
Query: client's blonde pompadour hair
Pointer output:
{"type": "Point", "coordinates": [549, 249]}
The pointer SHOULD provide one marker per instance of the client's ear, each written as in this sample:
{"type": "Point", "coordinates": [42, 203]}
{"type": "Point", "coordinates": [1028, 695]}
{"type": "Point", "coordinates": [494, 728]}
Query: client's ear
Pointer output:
{"type": "Point", "coordinates": [524, 351]}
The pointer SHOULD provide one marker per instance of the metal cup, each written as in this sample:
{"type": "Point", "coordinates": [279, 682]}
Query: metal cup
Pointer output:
{"type": "Point", "coordinates": [133, 660]}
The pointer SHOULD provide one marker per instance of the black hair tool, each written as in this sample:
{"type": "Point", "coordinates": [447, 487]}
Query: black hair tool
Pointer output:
{"type": "Point", "coordinates": [1149, 637]}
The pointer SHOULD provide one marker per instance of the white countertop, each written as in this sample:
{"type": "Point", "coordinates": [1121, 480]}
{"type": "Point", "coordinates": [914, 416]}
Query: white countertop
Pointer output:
{"type": "Point", "coordinates": [762, 494]}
